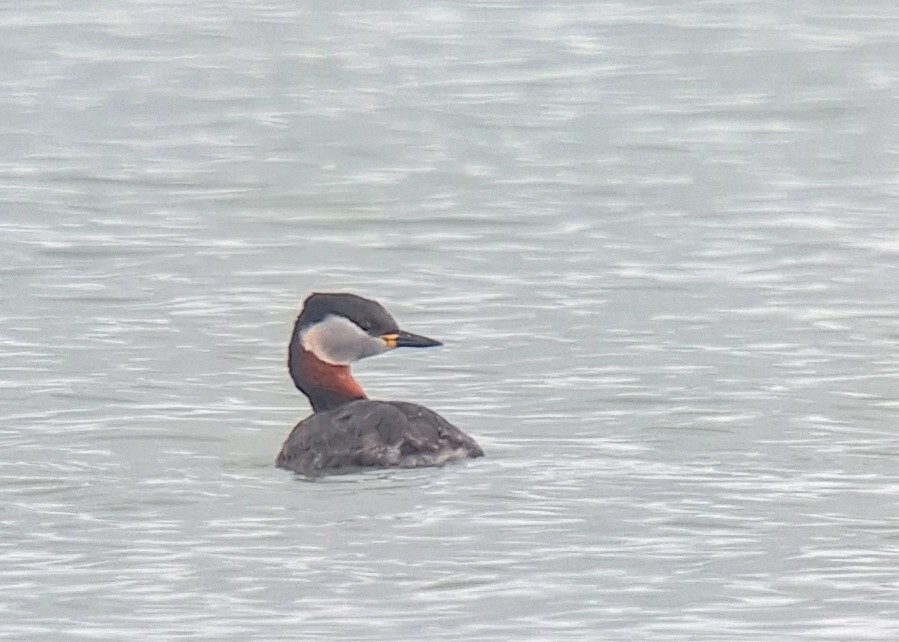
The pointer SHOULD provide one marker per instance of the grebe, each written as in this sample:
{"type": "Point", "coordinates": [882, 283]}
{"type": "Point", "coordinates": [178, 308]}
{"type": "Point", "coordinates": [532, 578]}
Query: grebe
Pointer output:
{"type": "Point", "coordinates": [347, 430]}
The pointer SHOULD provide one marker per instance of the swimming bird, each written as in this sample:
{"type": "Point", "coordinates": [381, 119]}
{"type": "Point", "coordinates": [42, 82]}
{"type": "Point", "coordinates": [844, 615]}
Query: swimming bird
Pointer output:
{"type": "Point", "coordinates": [346, 429]}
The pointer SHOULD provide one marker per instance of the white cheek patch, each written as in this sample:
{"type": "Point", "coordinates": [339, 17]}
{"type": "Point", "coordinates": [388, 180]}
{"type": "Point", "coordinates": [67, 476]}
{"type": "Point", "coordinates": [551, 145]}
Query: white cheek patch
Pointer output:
{"type": "Point", "coordinates": [312, 342]}
{"type": "Point", "coordinates": [340, 342]}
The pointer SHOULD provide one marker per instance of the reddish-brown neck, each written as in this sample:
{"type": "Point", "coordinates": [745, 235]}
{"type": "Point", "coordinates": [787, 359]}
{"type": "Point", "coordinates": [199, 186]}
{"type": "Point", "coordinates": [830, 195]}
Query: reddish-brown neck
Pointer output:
{"type": "Point", "coordinates": [327, 386]}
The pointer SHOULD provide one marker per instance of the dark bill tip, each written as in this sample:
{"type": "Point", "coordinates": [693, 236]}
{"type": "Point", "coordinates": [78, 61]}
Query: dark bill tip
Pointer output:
{"type": "Point", "coordinates": [409, 340]}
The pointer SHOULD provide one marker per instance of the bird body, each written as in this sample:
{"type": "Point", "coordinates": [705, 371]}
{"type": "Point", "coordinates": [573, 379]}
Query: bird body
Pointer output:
{"type": "Point", "coordinates": [367, 433]}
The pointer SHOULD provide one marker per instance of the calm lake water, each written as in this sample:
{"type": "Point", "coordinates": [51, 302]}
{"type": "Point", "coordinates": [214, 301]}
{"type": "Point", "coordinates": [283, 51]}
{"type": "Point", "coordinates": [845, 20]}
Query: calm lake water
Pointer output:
{"type": "Point", "coordinates": [660, 241]}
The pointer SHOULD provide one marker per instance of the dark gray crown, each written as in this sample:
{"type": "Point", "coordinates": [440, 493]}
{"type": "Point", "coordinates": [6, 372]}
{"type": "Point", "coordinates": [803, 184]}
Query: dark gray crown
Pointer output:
{"type": "Point", "coordinates": [367, 314]}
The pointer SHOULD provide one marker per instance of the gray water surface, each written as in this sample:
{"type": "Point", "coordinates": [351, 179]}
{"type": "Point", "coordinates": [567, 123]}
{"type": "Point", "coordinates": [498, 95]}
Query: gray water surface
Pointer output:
{"type": "Point", "coordinates": [659, 240]}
